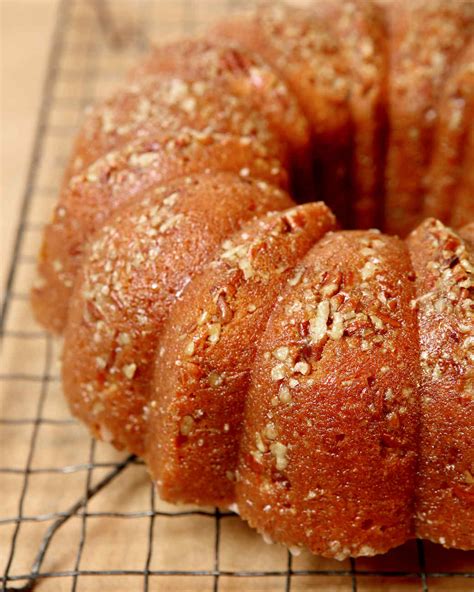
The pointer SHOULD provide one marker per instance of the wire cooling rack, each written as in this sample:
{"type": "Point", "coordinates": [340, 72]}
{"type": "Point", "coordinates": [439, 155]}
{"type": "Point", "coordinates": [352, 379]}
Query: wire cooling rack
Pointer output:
{"type": "Point", "coordinates": [74, 514]}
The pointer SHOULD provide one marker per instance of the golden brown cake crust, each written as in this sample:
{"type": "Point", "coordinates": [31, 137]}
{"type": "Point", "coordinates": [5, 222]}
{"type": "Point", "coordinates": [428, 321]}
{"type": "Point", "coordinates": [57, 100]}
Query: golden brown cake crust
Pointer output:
{"type": "Point", "coordinates": [467, 233]}
{"type": "Point", "coordinates": [305, 51]}
{"type": "Point", "coordinates": [444, 266]}
{"type": "Point", "coordinates": [243, 73]}
{"type": "Point", "coordinates": [116, 178]}
{"type": "Point", "coordinates": [169, 104]}
{"type": "Point", "coordinates": [328, 455]}
{"type": "Point", "coordinates": [360, 28]}
{"type": "Point", "coordinates": [134, 269]}
{"type": "Point", "coordinates": [426, 36]}
{"type": "Point", "coordinates": [463, 208]}
{"type": "Point", "coordinates": [207, 349]}
{"type": "Point", "coordinates": [450, 181]}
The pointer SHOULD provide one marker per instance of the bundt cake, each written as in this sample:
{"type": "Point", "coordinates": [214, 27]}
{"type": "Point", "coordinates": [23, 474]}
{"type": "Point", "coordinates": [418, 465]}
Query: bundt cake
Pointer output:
{"type": "Point", "coordinates": [261, 352]}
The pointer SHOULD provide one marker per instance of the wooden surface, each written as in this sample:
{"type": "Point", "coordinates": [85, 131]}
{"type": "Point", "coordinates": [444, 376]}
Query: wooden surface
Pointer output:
{"type": "Point", "coordinates": [26, 31]}
{"type": "Point", "coordinates": [47, 460]}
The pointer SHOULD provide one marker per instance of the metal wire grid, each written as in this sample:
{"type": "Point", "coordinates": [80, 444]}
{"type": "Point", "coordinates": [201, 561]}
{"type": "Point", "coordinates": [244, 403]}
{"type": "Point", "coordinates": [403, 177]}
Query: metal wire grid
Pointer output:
{"type": "Point", "coordinates": [93, 43]}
